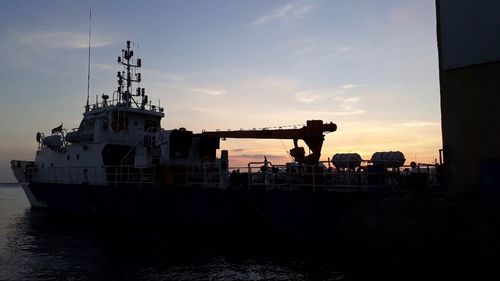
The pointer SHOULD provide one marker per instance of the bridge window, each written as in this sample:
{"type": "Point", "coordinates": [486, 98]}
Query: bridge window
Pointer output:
{"type": "Point", "coordinates": [151, 124]}
{"type": "Point", "coordinates": [119, 122]}
{"type": "Point", "coordinates": [87, 125]}
{"type": "Point", "coordinates": [105, 123]}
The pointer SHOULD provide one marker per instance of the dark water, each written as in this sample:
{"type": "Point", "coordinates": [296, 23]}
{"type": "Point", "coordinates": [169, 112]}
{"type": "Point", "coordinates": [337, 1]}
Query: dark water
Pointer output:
{"type": "Point", "coordinates": [39, 245]}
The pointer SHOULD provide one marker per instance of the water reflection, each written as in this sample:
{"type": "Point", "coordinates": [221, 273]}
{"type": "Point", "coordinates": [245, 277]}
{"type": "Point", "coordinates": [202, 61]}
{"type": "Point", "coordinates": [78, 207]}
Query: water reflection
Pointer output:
{"type": "Point", "coordinates": [39, 245]}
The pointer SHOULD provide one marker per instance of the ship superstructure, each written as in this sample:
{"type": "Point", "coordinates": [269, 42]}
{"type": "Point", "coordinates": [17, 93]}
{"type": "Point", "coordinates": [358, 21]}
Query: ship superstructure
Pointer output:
{"type": "Point", "coordinates": [115, 131]}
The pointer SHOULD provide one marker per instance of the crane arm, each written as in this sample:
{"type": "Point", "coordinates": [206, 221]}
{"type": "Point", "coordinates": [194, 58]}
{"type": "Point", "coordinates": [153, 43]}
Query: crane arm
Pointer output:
{"type": "Point", "coordinates": [311, 133]}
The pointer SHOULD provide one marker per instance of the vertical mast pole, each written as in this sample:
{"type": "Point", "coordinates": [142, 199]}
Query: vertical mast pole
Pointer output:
{"type": "Point", "coordinates": [88, 65]}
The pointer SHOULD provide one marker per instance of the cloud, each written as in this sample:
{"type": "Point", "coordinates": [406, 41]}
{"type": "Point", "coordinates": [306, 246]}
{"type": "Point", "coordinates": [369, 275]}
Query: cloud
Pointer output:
{"type": "Point", "coordinates": [334, 51]}
{"type": "Point", "coordinates": [339, 49]}
{"type": "Point", "coordinates": [349, 86]}
{"type": "Point", "coordinates": [211, 92]}
{"type": "Point", "coordinates": [302, 10]}
{"type": "Point", "coordinates": [40, 51]}
{"type": "Point", "coordinates": [60, 40]}
{"type": "Point", "coordinates": [309, 96]}
{"type": "Point", "coordinates": [304, 50]}
{"type": "Point", "coordinates": [256, 101]}
{"type": "Point", "coordinates": [295, 10]}
{"type": "Point", "coordinates": [347, 104]}
{"type": "Point", "coordinates": [421, 124]}
{"type": "Point", "coordinates": [336, 113]}
{"type": "Point", "coordinates": [315, 51]}
{"type": "Point", "coordinates": [341, 103]}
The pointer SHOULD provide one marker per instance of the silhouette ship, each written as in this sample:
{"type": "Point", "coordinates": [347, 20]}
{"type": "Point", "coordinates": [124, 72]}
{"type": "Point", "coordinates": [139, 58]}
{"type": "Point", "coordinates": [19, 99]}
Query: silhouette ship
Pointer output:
{"type": "Point", "coordinates": [120, 162]}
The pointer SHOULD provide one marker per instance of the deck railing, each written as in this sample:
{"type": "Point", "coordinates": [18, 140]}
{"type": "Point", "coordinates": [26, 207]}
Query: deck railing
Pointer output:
{"type": "Point", "coordinates": [257, 175]}
{"type": "Point", "coordinates": [114, 100]}
{"type": "Point", "coordinates": [264, 175]}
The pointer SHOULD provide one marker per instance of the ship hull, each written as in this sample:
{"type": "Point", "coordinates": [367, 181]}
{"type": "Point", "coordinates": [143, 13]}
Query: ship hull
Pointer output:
{"type": "Point", "coordinates": [347, 222]}
{"type": "Point", "coordinates": [202, 207]}
{"type": "Point", "coordinates": [298, 213]}
{"type": "Point", "coordinates": [34, 201]}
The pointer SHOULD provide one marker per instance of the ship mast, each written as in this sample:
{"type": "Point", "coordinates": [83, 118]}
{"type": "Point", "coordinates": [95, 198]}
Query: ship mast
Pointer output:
{"type": "Point", "coordinates": [125, 95]}
{"type": "Point", "coordinates": [87, 107]}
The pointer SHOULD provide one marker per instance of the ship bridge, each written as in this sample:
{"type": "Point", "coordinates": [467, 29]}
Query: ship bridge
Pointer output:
{"type": "Point", "coordinates": [128, 110]}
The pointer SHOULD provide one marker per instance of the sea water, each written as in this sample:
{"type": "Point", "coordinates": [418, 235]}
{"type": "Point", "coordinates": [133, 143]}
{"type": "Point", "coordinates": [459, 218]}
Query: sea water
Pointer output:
{"type": "Point", "coordinates": [40, 245]}
{"type": "Point", "coordinates": [43, 245]}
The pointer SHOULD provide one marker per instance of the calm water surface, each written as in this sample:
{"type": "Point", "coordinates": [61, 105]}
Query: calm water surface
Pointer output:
{"type": "Point", "coordinates": [39, 245]}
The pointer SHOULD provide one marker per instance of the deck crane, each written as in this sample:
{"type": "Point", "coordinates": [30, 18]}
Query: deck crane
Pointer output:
{"type": "Point", "coordinates": [311, 134]}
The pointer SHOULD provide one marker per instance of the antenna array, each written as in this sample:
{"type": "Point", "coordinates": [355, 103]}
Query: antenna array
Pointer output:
{"type": "Point", "coordinates": [125, 79]}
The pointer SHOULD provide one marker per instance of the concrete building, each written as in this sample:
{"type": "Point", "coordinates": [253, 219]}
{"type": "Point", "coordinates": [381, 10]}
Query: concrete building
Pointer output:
{"type": "Point", "coordinates": [469, 60]}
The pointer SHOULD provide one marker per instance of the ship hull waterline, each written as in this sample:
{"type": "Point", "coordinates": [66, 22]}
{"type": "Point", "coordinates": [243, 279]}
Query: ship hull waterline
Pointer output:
{"type": "Point", "coordinates": [292, 212]}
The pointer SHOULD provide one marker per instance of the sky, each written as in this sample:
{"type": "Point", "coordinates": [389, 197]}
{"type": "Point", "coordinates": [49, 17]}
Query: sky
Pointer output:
{"type": "Point", "coordinates": [369, 66]}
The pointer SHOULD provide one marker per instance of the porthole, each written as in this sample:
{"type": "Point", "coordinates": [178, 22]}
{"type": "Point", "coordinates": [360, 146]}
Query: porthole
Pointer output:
{"type": "Point", "coordinates": [67, 156]}
{"type": "Point", "coordinates": [78, 157]}
{"type": "Point", "coordinates": [51, 164]}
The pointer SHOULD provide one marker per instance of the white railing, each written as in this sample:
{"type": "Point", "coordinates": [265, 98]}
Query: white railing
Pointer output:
{"type": "Point", "coordinates": [257, 175]}
{"type": "Point", "coordinates": [116, 101]}
{"type": "Point", "coordinates": [264, 175]}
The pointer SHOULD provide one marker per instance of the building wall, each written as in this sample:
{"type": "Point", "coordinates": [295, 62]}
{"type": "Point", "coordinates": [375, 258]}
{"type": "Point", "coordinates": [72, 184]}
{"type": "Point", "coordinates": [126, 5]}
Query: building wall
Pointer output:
{"type": "Point", "coordinates": [468, 32]}
{"type": "Point", "coordinates": [469, 57]}
{"type": "Point", "coordinates": [470, 112]}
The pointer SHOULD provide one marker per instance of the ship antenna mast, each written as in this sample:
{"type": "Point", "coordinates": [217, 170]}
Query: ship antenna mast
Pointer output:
{"type": "Point", "coordinates": [88, 65]}
{"type": "Point", "coordinates": [126, 95]}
